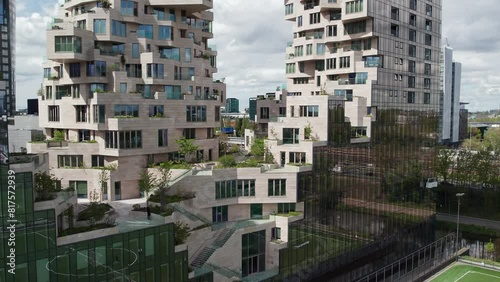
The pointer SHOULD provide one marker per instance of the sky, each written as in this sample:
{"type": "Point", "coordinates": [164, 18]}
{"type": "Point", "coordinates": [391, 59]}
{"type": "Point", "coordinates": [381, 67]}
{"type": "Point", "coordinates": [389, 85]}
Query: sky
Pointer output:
{"type": "Point", "coordinates": [251, 38]}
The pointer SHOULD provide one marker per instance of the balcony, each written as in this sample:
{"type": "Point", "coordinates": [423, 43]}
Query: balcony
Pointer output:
{"type": "Point", "coordinates": [351, 81]}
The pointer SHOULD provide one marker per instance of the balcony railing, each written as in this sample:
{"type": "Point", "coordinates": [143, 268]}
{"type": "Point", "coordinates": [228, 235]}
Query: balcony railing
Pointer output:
{"type": "Point", "coordinates": [209, 97]}
{"type": "Point", "coordinates": [351, 81]}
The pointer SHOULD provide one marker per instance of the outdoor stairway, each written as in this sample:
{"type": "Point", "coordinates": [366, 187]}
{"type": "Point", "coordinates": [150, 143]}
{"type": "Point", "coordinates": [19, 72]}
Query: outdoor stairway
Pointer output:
{"type": "Point", "coordinates": [188, 214]}
{"type": "Point", "coordinates": [226, 272]}
{"type": "Point", "coordinates": [203, 256]}
{"type": "Point", "coordinates": [219, 242]}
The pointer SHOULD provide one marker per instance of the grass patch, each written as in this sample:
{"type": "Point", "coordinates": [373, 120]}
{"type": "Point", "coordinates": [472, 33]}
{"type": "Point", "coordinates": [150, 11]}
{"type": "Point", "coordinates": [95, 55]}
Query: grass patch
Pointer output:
{"type": "Point", "coordinates": [290, 214]}
{"type": "Point", "coordinates": [95, 211]}
{"type": "Point", "coordinates": [468, 273]}
{"type": "Point", "coordinates": [155, 198]}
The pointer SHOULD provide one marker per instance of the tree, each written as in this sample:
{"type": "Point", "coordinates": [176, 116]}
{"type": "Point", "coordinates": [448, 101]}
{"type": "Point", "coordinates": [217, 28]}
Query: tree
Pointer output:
{"type": "Point", "coordinates": [187, 147]}
{"type": "Point", "coordinates": [181, 232]}
{"type": "Point", "coordinates": [245, 123]}
{"type": "Point", "coordinates": [443, 163]}
{"type": "Point", "coordinates": [147, 183]}
{"type": "Point", "coordinates": [227, 161]}
{"type": "Point", "coordinates": [40, 92]}
{"type": "Point", "coordinates": [104, 176]}
{"type": "Point", "coordinates": [223, 144]}
{"type": "Point", "coordinates": [44, 185]}
{"type": "Point", "coordinates": [258, 148]}
{"type": "Point", "coordinates": [490, 249]}
{"type": "Point", "coordinates": [164, 181]}
{"type": "Point", "coordinates": [58, 135]}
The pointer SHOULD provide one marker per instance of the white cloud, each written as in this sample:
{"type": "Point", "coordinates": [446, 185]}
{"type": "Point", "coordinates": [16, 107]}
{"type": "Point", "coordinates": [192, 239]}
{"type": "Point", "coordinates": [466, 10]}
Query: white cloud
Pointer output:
{"type": "Point", "coordinates": [251, 39]}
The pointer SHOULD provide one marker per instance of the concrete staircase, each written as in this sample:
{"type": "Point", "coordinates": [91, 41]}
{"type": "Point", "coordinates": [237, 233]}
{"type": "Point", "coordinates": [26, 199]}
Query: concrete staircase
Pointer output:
{"type": "Point", "coordinates": [190, 215]}
{"type": "Point", "coordinates": [206, 252]}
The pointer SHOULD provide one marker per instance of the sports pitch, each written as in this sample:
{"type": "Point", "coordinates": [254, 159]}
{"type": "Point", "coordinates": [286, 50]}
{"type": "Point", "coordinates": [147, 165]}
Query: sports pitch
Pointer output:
{"type": "Point", "coordinates": [467, 273]}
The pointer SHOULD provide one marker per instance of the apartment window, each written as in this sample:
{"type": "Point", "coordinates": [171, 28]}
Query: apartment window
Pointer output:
{"type": "Point", "coordinates": [411, 82]}
{"type": "Point", "coordinates": [189, 133]}
{"type": "Point", "coordinates": [264, 113]}
{"type": "Point", "coordinates": [246, 188]}
{"type": "Point", "coordinates": [165, 32]}
{"type": "Point", "coordinates": [162, 137]}
{"type": "Point", "coordinates": [67, 161]}
{"type": "Point", "coordinates": [81, 113]}
{"type": "Point", "coordinates": [134, 70]}
{"type": "Point", "coordinates": [427, 83]}
{"type": "Point", "coordinates": [427, 98]}
{"type": "Point", "coordinates": [96, 68]}
{"type": "Point", "coordinates": [135, 50]}
{"type": "Point", "coordinates": [286, 207]}
{"type": "Point", "coordinates": [412, 35]}
{"type": "Point", "coordinates": [54, 113]}
{"type": "Point", "coordinates": [428, 25]}
{"type": "Point", "coordinates": [428, 10]}
{"type": "Point", "coordinates": [75, 91]}
{"type": "Point", "coordinates": [217, 113]}
{"type": "Point", "coordinates": [96, 87]}
{"type": "Point", "coordinates": [80, 187]}
{"type": "Point", "coordinates": [118, 28]}
{"type": "Point", "coordinates": [210, 133]}
{"type": "Point", "coordinates": [427, 69]}
{"type": "Point", "coordinates": [395, 30]}
{"type": "Point", "coordinates": [275, 233]}
{"type": "Point", "coordinates": [301, 80]}
{"type": "Point", "coordinates": [68, 44]}
{"type": "Point", "coordinates": [156, 110]}
{"type": "Point", "coordinates": [99, 26]}
{"type": "Point", "coordinates": [282, 111]}
{"type": "Point", "coordinates": [126, 111]}
{"type": "Point", "coordinates": [428, 39]}
{"type": "Point", "coordinates": [412, 50]}
{"type": "Point", "coordinates": [355, 27]}
{"type": "Point", "coordinates": [299, 21]}
{"type": "Point", "coordinates": [428, 54]}
{"type": "Point", "coordinates": [290, 136]}
{"type": "Point", "coordinates": [314, 18]}
{"type": "Point", "coordinates": [413, 4]}
{"type": "Point", "coordinates": [345, 62]}
{"type": "Point", "coordinates": [299, 51]}
{"type": "Point", "coordinates": [48, 92]}
{"type": "Point", "coordinates": [413, 19]}
{"type": "Point", "coordinates": [288, 9]}
{"type": "Point", "coordinates": [99, 113]}
{"type": "Point", "coordinates": [155, 70]}
{"type": "Point", "coordinates": [276, 187]}
{"type": "Point", "coordinates": [123, 139]}
{"type": "Point", "coordinates": [290, 68]}
{"type": "Point", "coordinates": [187, 55]}
{"type": "Point", "coordinates": [309, 111]}
{"type": "Point", "coordinates": [226, 189]}
{"type": "Point", "coordinates": [196, 113]}
{"type": "Point", "coordinates": [309, 49]}
{"type": "Point", "coordinates": [129, 8]}
{"type": "Point", "coordinates": [354, 6]}
{"type": "Point", "coordinates": [219, 214]}
{"type": "Point", "coordinates": [331, 63]}
{"type": "Point", "coordinates": [331, 30]}
{"type": "Point", "coordinates": [97, 161]}
{"type": "Point", "coordinates": [411, 66]}
{"type": "Point", "coordinates": [123, 87]}
{"type": "Point", "coordinates": [395, 13]}
{"type": "Point", "coordinates": [74, 69]}
{"type": "Point", "coordinates": [320, 48]}
{"type": "Point", "coordinates": [411, 97]}
{"type": "Point", "coordinates": [145, 31]}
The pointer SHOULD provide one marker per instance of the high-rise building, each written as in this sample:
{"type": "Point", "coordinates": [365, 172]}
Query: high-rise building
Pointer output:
{"type": "Point", "coordinates": [232, 105]}
{"type": "Point", "coordinates": [7, 65]}
{"type": "Point", "coordinates": [123, 82]}
{"type": "Point", "coordinates": [451, 73]}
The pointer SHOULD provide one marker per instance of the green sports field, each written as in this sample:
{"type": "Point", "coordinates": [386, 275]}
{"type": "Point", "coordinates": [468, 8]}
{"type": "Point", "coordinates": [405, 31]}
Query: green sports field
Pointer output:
{"type": "Point", "coordinates": [467, 273]}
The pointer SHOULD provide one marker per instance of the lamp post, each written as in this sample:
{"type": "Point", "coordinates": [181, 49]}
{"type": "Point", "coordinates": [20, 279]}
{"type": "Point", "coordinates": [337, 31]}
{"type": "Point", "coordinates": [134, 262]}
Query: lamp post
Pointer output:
{"type": "Point", "coordinates": [459, 195]}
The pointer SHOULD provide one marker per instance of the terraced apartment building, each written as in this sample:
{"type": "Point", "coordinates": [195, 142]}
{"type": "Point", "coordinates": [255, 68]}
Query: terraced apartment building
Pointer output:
{"type": "Point", "coordinates": [124, 80]}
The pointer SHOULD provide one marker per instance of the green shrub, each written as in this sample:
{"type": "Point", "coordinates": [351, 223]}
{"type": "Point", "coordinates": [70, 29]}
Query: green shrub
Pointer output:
{"type": "Point", "coordinates": [251, 162]}
{"type": "Point", "coordinates": [58, 135]}
{"type": "Point", "coordinates": [227, 161]}
{"type": "Point", "coordinates": [95, 212]}
{"type": "Point", "coordinates": [181, 232]}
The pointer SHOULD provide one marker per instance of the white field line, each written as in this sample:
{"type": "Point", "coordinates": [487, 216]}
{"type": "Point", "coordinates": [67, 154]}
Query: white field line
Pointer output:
{"type": "Point", "coordinates": [498, 277]}
{"type": "Point", "coordinates": [462, 276]}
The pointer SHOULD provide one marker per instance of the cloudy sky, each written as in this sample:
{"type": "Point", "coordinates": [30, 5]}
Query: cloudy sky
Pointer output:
{"type": "Point", "coordinates": [251, 37]}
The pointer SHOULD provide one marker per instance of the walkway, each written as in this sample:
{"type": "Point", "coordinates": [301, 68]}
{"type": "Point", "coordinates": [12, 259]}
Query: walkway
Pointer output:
{"type": "Point", "coordinates": [469, 220]}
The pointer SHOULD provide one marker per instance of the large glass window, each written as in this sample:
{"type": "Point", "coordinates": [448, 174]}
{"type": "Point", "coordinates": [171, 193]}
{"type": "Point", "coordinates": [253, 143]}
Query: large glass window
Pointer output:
{"type": "Point", "coordinates": [126, 111]}
{"type": "Point", "coordinates": [309, 111]}
{"type": "Point", "coordinates": [129, 8]}
{"type": "Point", "coordinates": [196, 113]}
{"type": "Point", "coordinates": [165, 32]}
{"type": "Point", "coordinates": [162, 137]}
{"type": "Point", "coordinates": [65, 161]}
{"type": "Point", "coordinates": [118, 28]}
{"type": "Point", "coordinates": [276, 187]}
{"type": "Point", "coordinates": [173, 92]}
{"type": "Point", "coordinates": [155, 70]}
{"type": "Point", "coordinates": [253, 253]}
{"type": "Point", "coordinates": [96, 68]}
{"type": "Point", "coordinates": [135, 50]}
{"type": "Point", "coordinates": [74, 69]}
{"type": "Point", "coordinates": [290, 136]}
{"type": "Point", "coordinates": [145, 31]}
{"type": "Point", "coordinates": [80, 187]}
{"type": "Point", "coordinates": [99, 26]}
{"type": "Point", "coordinates": [219, 214]}
{"type": "Point", "coordinates": [68, 44]}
